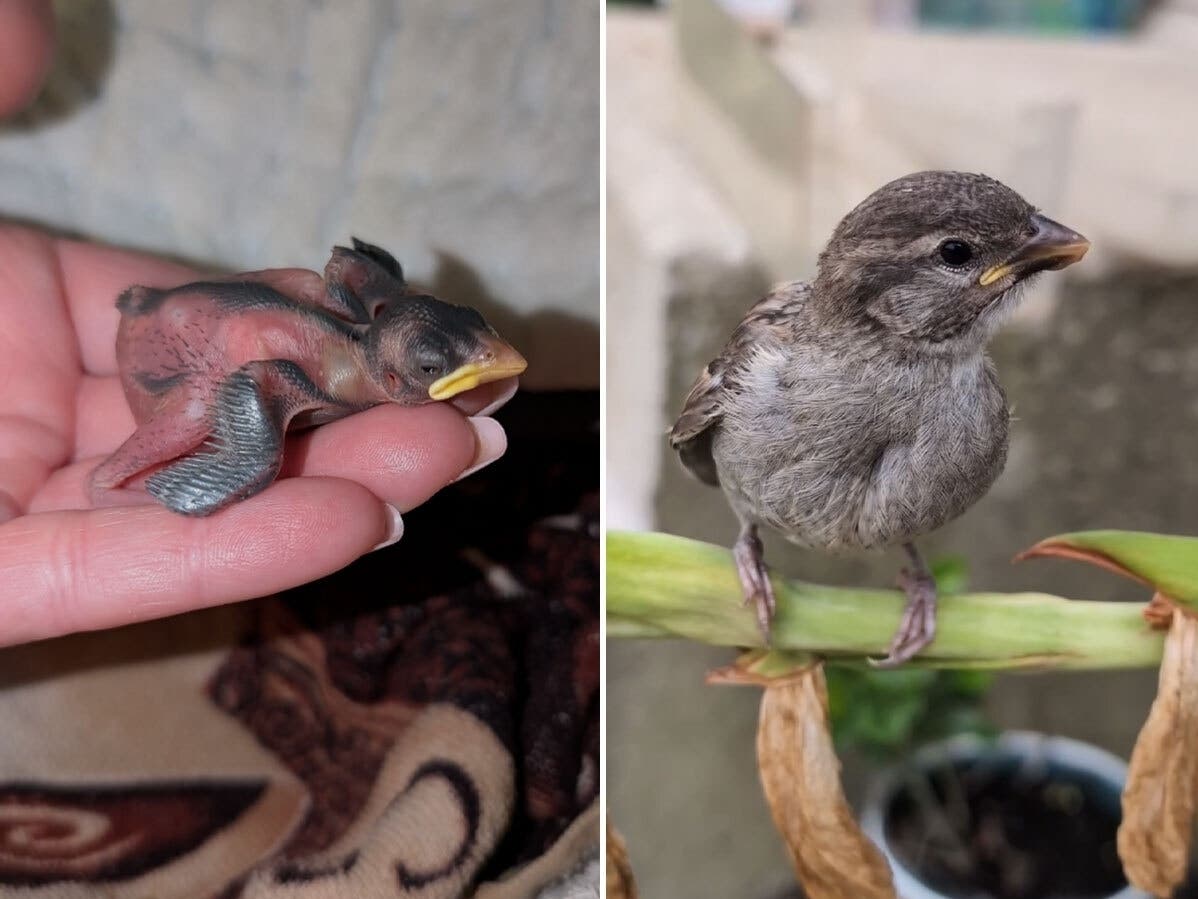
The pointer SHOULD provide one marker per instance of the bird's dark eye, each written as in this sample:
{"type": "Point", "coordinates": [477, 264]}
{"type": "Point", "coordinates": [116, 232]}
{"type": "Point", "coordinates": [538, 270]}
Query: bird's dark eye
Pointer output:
{"type": "Point", "coordinates": [955, 252]}
{"type": "Point", "coordinates": [431, 369]}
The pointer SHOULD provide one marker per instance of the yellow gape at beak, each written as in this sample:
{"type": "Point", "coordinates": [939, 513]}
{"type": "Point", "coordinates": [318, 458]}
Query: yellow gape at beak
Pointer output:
{"type": "Point", "coordinates": [497, 359]}
{"type": "Point", "coordinates": [1052, 246]}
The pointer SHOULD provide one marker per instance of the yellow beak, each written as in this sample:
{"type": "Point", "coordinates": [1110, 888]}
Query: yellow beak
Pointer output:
{"type": "Point", "coordinates": [1052, 246]}
{"type": "Point", "coordinates": [498, 359]}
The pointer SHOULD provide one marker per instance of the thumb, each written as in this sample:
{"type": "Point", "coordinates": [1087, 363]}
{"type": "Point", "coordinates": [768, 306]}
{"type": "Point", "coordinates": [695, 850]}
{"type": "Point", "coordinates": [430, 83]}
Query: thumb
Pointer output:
{"type": "Point", "coordinates": [26, 50]}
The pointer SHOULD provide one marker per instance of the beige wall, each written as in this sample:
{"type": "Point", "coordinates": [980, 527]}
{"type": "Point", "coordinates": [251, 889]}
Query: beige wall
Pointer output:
{"type": "Point", "coordinates": [461, 134]}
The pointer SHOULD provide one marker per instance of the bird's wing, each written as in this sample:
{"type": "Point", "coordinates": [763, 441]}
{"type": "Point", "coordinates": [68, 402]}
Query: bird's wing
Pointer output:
{"type": "Point", "coordinates": [767, 322]}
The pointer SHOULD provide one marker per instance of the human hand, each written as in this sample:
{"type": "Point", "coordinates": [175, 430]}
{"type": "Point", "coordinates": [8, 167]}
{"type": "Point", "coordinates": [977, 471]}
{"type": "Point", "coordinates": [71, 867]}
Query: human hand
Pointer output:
{"type": "Point", "coordinates": [66, 567]}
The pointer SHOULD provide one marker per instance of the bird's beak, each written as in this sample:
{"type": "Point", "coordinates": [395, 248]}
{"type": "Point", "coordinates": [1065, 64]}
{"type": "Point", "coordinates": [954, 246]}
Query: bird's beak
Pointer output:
{"type": "Point", "coordinates": [495, 359]}
{"type": "Point", "coordinates": [1051, 246]}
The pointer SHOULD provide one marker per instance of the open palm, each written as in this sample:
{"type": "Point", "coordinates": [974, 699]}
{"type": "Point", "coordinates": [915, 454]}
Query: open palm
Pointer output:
{"type": "Point", "coordinates": [65, 566]}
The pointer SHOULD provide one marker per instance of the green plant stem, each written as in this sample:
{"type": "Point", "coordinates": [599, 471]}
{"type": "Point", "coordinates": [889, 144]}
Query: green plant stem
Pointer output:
{"type": "Point", "coordinates": [659, 585]}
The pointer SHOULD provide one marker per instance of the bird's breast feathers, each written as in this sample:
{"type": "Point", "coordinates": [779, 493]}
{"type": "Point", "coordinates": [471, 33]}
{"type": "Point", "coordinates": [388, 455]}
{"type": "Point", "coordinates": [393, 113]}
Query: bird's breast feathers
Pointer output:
{"type": "Point", "coordinates": [837, 455]}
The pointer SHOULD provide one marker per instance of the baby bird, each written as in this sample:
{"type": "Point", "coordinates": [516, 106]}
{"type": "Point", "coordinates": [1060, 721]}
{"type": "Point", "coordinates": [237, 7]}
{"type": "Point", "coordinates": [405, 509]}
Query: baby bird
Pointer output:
{"type": "Point", "coordinates": [218, 372]}
{"type": "Point", "coordinates": [860, 410]}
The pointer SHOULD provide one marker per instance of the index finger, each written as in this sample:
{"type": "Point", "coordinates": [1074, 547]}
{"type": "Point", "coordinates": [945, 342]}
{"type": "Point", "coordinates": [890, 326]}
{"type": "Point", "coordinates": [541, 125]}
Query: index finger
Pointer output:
{"type": "Point", "coordinates": [68, 571]}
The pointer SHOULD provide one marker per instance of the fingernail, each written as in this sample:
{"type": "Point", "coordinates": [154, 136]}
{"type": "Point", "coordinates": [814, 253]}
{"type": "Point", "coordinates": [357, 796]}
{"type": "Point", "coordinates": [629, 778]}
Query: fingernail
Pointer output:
{"type": "Point", "coordinates": [502, 399]}
{"type": "Point", "coordinates": [394, 527]}
{"type": "Point", "coordinates": [490, 442]}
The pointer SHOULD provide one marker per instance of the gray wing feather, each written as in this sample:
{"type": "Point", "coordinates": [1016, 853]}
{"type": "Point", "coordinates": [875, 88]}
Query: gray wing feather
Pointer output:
{"type": "Point", "coordinates": [703, 408]}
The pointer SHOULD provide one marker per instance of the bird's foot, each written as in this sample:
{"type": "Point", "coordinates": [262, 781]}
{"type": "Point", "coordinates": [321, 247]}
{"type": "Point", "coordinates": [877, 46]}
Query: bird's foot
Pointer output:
{"type": "Point", "coordinates": [755, 579]}
{"type": "Point", "coordinates": [917, 628]}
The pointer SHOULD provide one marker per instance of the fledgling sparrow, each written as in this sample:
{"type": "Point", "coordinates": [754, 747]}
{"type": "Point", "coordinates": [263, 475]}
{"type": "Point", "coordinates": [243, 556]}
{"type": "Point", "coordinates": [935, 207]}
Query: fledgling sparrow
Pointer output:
{"type": "Point", "coordinates": [860, 410]}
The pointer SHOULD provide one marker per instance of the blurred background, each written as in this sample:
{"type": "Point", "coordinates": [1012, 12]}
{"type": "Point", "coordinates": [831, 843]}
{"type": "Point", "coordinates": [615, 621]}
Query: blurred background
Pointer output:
{"type": "Point", "coordinates": [463, 137]}
{"type": "Point", "coordinates": [739, 132]}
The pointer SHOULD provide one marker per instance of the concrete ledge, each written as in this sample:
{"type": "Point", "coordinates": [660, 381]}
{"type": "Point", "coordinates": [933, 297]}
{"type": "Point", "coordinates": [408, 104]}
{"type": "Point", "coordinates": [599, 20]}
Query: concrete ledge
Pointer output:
{"type": "Point", "coordinates": [661, 213]}
{"type": "Point", "coordinates": [826, 115]}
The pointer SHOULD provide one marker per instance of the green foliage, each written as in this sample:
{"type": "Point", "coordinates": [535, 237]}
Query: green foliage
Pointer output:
{"type": "Point", "coordinates": [951, 574]}
{"type": "Point", "coordinates": [889, 713]}
{"type": "Point", "coordinates": [1168, 562]}
{"type": "Point", "coordinates": [885, 713]}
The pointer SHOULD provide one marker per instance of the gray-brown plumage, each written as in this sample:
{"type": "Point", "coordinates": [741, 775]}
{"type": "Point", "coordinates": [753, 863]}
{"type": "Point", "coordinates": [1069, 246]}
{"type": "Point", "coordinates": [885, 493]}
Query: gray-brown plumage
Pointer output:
{"type": "Point", "coordinates": [860, 410]}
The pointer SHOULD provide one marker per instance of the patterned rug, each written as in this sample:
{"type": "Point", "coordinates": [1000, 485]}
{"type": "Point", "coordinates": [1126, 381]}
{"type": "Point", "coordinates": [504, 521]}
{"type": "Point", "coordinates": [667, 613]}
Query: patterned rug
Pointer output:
{"type": "Point", "coordinates": [422, 723]}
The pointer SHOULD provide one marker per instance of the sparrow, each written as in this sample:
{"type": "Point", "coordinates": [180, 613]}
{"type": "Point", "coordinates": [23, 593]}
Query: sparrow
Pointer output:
{"type": "Point", "coordinates": [218, 371]}
{"type": "Point", "coordinates": [860, 410]}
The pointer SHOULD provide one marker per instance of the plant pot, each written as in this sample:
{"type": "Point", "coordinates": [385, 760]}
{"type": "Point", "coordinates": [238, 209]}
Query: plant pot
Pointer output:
{"type": "Point", "coordinates": [1026, 816]}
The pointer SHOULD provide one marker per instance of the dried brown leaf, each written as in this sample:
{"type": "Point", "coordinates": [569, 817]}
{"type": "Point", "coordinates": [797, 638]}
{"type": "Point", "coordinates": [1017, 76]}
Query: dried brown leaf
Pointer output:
{"type": "Point", "coordinates": [1159, 612]}
{"type": "Point", "coordinates": [620, 883]}
{"type": "Point", "coordinates": [762, 668]}
{"type": "Point", "coordinates": [801, 777]}
{"type": "Point", "coordinates": [1159, 799]}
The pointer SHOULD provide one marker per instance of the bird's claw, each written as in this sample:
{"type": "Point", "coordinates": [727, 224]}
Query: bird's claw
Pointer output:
{"type": "Point", "coordinates": [917, 628]}
{"type": "Point", "coordinates": [755, 583]}
{"type": "Point", "coordinates": [764, 603]}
